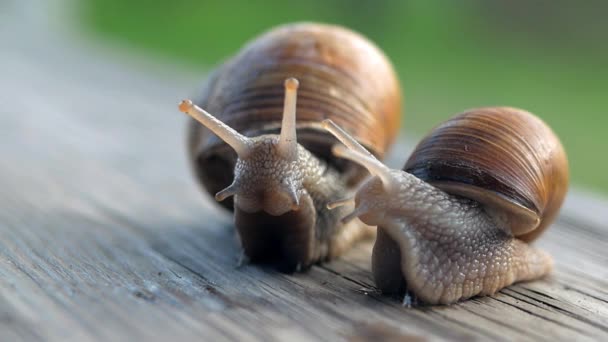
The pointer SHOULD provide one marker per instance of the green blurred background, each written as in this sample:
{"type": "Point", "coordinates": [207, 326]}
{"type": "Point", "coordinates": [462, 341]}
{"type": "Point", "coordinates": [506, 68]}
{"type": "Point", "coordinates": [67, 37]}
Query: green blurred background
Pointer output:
{"type": "Point", "coordinates": [549, 57]}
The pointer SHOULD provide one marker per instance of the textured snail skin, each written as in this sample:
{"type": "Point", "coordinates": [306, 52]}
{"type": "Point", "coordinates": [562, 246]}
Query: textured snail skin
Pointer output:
{"type": "Point", "coordinates": [449, 248]}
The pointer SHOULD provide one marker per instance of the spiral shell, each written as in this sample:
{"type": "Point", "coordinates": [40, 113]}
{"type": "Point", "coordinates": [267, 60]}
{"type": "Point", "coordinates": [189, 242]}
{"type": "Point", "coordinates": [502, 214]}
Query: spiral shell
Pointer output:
{"type": "Point", "coordinates": [505, 158]}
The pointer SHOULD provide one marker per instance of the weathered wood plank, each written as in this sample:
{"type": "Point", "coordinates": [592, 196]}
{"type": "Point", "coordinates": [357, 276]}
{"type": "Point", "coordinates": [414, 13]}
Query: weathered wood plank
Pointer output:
{"type": "Point", "coordinates": [105, 236]}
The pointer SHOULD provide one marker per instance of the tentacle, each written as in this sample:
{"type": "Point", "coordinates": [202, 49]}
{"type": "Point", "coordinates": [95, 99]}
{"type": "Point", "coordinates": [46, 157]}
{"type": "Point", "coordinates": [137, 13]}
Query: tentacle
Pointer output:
{"type": "Point", "coordinates": [373, 165]}
{"type": "Point", "coordinates": [288, 144]}
{"type": "Point", "coordinates": [238, 142]}
{"type": "Point", "coordinates": [231, 190]}
{"type": "Point", "coordinates": [293, 196]}
{"type": "Point", "coordinates": [345, 138]}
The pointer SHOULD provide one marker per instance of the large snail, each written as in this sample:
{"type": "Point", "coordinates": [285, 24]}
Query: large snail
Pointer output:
{"type": "Point", "coordinates": [457, 222]}
{"type": "Point", "coordinates": [280, 168]}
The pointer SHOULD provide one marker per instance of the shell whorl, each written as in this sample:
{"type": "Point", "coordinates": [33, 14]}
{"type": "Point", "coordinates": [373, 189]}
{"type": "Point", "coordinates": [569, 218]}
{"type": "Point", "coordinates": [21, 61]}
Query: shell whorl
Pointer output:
{"type": "Point", "coordinates": [500, 156]}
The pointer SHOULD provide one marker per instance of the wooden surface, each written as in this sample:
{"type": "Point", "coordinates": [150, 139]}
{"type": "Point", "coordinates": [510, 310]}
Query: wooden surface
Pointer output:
{"type": "Point", "coordinates": [105, 236]}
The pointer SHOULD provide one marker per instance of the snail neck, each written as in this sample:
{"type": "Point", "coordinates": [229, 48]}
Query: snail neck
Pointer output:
{"type": "Point", "coordinates": [401, 197]}
{"type": "Point", "coordinates": [445, 244]}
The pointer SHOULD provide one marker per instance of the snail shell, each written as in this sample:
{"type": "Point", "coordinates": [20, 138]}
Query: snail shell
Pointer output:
{"type": "Point", "coordinates": [505, 158]}
{"type": "Point", "coordinates": [341, 75]}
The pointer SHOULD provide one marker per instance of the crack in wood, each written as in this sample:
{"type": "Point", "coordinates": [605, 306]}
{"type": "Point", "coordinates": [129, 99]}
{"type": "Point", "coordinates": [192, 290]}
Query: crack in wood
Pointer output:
{"type": "Point", "coordinates": [563, 311]}
{"type": "Point", "coordinates": [499, 322]}
{"type": "Point", "coordinates": [558, 323]}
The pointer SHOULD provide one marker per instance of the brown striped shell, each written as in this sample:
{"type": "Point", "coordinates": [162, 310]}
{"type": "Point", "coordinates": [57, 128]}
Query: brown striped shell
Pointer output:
{"type": "Point", "coordinates": [342, 76]}
{"type": "Point", "coordinates": [505, 158]}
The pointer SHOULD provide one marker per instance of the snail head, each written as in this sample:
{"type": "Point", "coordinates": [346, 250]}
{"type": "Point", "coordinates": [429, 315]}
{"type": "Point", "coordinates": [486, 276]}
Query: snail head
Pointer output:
{"type": "Point", "coordinates": [266, 174]}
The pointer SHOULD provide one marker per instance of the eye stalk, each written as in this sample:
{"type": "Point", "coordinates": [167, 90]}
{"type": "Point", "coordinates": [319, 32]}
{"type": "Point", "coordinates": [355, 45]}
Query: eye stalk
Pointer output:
{"type": "Point", "coordinates": [344, 137]}
{"type": "Point", "coordinates": [274, 188]}
{"type": "Point", "coordinates": [373, 165]}
{"type": "Point", "coordinates": [238, 142]}
{"type": "Point", "coordinates": [355, 152]}
{"type": "Point", "coordinates": [242, 145]}
{"type": "Point", "coordinates": [288, 143]}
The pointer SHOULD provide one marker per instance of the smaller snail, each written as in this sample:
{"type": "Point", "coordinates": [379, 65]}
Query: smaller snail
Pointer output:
{"type": "Point", "coordinates": [458, 221]}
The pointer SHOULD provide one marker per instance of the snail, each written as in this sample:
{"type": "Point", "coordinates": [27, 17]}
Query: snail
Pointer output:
{"type": "Point", "coordinates": [279, 169]}
{"type": "Point", "coordinates": [458, 221]}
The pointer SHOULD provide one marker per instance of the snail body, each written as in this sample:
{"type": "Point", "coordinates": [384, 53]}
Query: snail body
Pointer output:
{"type": "Point", "coordinates": [458, 220]}
{"type": "Point", "coordinates": [279, 168]}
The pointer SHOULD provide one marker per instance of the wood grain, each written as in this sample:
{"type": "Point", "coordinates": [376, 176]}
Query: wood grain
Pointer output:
{"type": "Point", "coordinates": [104, 234]}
